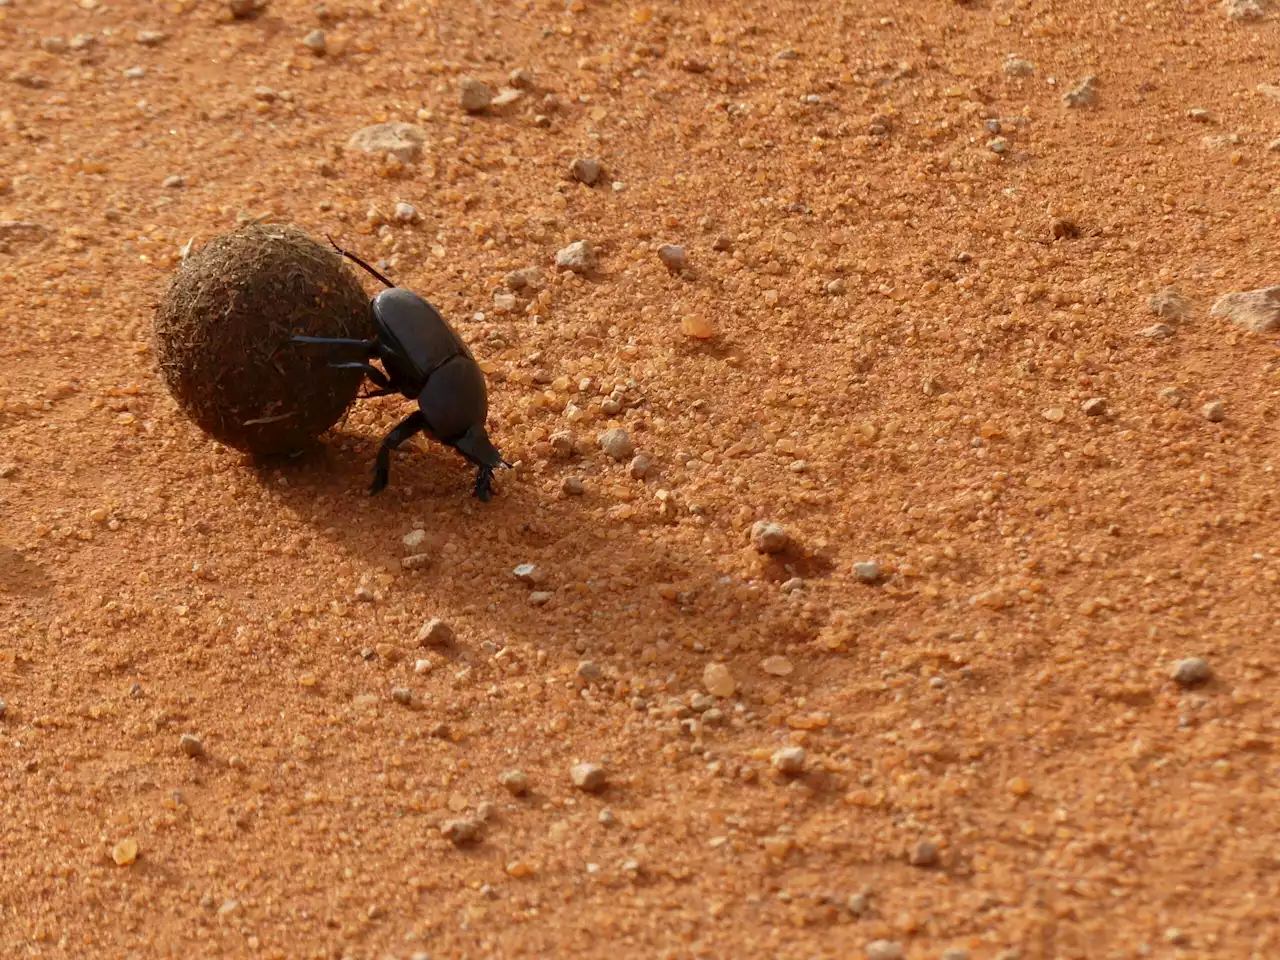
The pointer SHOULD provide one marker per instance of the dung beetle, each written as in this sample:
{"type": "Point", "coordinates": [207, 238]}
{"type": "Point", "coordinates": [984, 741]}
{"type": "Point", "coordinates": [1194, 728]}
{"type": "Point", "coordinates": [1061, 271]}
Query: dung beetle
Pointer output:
{"type": "Point", "coordinates": [426, 361]}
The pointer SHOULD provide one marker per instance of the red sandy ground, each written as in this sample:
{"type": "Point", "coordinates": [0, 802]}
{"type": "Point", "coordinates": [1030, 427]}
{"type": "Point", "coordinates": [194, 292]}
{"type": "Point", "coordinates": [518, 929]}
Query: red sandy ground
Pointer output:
{"type": "Point", "coordinates": [1003, 692]}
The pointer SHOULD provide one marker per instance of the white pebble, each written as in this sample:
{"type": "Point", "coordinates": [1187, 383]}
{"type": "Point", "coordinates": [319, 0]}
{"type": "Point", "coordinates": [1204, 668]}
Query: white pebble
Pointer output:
{"type": "Point", "coordinates": [435, 633]}
{"type": "Point", "coordinates": [866, 572]}
{"type": "Point", "coordinates": [616, 444]}
{"type": "Point", "coordinates": [884, 950]}
{"type": "Point", "coordinates": [1191, 672]}
{"type": "Point", "coordinates": [474, 95]}
{"type": "Point", "coordinates": [589, 777]}
{"type": "Point", "coordinates": [768, 537]}
{"type": "Point", "coordinates": [789, 760]}
{"type": "Point", "coordinates": [578, 257]}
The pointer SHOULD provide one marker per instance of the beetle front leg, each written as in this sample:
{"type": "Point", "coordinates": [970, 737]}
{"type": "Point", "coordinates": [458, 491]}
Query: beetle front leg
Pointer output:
{"type": "Point", "coordinates": [373, 373]}
{"type": "Point", "coordinates": [401, 432]}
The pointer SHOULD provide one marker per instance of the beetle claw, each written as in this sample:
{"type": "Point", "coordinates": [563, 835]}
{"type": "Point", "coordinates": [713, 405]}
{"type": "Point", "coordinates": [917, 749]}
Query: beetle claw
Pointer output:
{"type": "Point", "coordinates": [484, 484]}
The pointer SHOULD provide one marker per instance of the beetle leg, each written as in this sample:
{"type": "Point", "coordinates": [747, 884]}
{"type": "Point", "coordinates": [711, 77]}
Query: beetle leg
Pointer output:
{"type": "Point", "coordinates": [484, 484]}
{"type": "Point", "coordinates": [369, 347]}
{"type": "Point", "coordinates": [401, 432]}
{"type": "Point", "coordinates": [374, 374]}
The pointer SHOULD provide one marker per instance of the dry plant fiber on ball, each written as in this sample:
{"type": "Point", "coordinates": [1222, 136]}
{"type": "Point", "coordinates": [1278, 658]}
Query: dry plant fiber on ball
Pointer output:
{"type": "Point", "coordinates": [220, 335]}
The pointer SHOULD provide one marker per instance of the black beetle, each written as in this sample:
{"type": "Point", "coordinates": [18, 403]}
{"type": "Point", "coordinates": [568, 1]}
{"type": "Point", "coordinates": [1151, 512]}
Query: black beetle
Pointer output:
{"type": "Point", "coordinates": [426, 361]}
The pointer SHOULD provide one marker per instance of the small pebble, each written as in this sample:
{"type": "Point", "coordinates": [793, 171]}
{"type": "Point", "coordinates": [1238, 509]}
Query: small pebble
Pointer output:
{"type": "Point", "coordinates": [1083, 94]}
{"type": "Point", "coordinates": [616, 444]}
{"type": "Point", "coordinates": [516, 782]}
{"type": "Point", "coordinates": [925, 854]}
{"type": "Point", "coordinates": [242, 9]}
{"type": "Point", "coordinates": [1191, 672]}
{"type": "Point", "coordinates": [673, 257]}
{"type": "Point", "coordinates": [83, 41]}
{"type": "Point", "coordinates": [402, 695]}
{"type": "Point", "coordinates": [265, 94]}
{"type": "Point", "coordinates": [1017, 67]}
{"type": "Point", "coordinates": [521, 78]}
{"type": "Point", "coordinates": [606, 818]}
{"type": "Point", "coordinates": [718, 681]}
{"type": "Point", "coordinates": [589, 671]}
{"type": "Point", "coordinates": [527, 573]}
{"type": "Point", "coordinates": [1244, 11]}
{"type": "Point", "coordinates": [866, 572]}
{"type": "Point", "coordinates": [698, 326]}
{"type": "Point", "coordinates": [523, 278]}
{"type": "Point", "coordinates": [474, 95]}
{"type": "Point", "coordinates": [504, 302]}
{"type": "Point", "coordinates": [364, 594]}
{"type": "Point", "coordinates": [859, 903]}
{"type": "Point", "coordinates": [589, 777]}
{"type": "Point", "coordinates": [777, 666]}
{"type": "Point", "coordinates": [1094, 407]}
{"type": "Point", "coordinates": [315, 42]}
{"type": "Point", "coordinates": [768, 537]}
{"type": "Point", "coordinates": [125, 852]}
{"type": "Point", "coordinates": [405, 212]}
{"type": "Point", "coordinates": [53, 45]}
{"type": "Point", "coordinates": [1257, 311]}
{"type": "Point", "coordinates": [1169, 303]}
{"type": "Point", "coordinates": [191, 745]}
{"type": "Point", "coordinates": [135, 73]}
{"type": "Point", "coordinates": [722, 243]}
{"type": "Point", "coordinates": [540, 598]}
{"type": "Point", "coordinates": [573, 487]}
{"type": "Point", "coordinates": [585, 170]}
{"type": "Point", "coordinates": [152, 38]}
{"type": "Point", "coordinates": [789, 760]}
{"type": "Point", "coordinates": [463, 831]}
{"type": "Point", "coordinates": [1214, 411]}
{"type": "Point", "coordinates": [175, 182]}
{"type": "Point", "coordinates": [836, 287]}
{"type": "Point", "coordinates": [404, 141]}
{"type": "Point", "coordinates": [640, 466]}
{"type": "Point", "coordinates": [1157, 331]}
{"type": "Point", "coordinates": [435, 633]}
{"type": "Point", "coordinates": [414, 539]}
{"type": "Point", "coordinates": [578, 257]}
{"type": "Point", "coordinates": [3, 707]}
{"type": "Point", "coordinates": [884, 950]}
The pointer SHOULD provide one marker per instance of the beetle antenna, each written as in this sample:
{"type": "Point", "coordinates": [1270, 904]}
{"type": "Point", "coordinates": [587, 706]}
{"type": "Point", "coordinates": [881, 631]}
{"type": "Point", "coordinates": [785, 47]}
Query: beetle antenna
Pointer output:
{"type": "Point", "coordinates": [351, 256]}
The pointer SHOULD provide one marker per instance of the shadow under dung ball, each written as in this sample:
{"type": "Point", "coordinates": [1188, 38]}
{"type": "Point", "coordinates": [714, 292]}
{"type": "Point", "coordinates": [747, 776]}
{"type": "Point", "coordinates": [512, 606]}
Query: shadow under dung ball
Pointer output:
{"type": "Point", "coordinates": [220, 335]}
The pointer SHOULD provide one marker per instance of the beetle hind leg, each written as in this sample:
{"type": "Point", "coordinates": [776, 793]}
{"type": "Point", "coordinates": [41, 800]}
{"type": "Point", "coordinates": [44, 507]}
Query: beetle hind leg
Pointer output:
{"type": "Point", "coordinates": [401, 432]}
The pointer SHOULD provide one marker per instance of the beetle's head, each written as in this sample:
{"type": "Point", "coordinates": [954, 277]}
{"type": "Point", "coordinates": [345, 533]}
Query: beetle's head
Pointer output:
{"type": "Point", "coordinates": [476, 447]}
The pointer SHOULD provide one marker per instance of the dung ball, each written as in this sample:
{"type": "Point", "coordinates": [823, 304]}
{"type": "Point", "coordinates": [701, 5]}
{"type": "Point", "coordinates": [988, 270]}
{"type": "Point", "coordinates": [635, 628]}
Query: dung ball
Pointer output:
{"type": "Point", "coordinates": [221, 332]}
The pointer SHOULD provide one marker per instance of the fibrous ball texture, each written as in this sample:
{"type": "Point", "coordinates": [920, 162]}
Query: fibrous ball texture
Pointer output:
{"type": "Point", "coordinates": [222, 327]}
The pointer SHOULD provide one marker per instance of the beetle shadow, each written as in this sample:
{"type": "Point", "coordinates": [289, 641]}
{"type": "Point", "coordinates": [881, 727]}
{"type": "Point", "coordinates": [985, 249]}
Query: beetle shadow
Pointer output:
{"type": "Point", "coordinates": [636, 585]}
